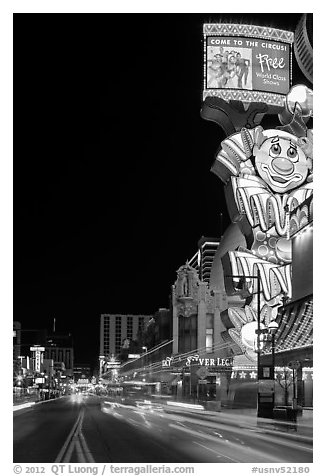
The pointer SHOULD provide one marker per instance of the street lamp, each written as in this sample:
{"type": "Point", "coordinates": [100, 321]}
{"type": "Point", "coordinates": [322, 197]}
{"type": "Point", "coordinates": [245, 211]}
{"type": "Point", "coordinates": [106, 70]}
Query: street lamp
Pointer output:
{"type": "Point", "coordinates": [272, 329]}
{"type": "Point", "coordinates": [144, 353]}
{"type": "Point", "coordinates": [265, 395]}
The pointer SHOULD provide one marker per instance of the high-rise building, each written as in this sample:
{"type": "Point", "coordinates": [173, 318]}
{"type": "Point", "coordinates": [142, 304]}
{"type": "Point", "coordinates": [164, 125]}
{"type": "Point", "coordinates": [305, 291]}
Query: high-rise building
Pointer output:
{"type": "Point", "coordinates": [59, 347]}
{"type": "Point", "coordinates": [203, 259]}
{"type": "Point", "coordinates": [117, 329]}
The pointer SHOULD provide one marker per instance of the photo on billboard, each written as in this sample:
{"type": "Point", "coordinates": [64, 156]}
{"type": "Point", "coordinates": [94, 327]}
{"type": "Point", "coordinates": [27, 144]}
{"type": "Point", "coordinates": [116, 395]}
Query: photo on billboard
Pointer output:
{"type": "Point", "coordinates": [229, 69]}
{"type": "Point", "coordinates": [247, 63]}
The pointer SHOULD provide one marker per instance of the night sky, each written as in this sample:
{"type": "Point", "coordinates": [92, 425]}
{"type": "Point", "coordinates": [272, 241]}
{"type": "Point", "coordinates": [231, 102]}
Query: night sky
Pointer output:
{"type": "Point", "coordinates": [112, 182]}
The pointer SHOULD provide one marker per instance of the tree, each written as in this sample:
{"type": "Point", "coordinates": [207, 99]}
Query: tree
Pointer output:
{"type": "Point", "coordinates": [285, 381]}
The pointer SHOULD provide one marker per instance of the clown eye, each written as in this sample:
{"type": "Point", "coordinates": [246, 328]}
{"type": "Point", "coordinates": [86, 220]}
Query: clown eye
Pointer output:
{"type": "Point", "coordinates": [292, 153]}
{"type": "Point", "coordinates": [275, 150]}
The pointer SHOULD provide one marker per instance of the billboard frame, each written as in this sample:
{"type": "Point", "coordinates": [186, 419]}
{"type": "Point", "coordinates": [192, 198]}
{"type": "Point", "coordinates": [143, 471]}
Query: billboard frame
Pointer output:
{"type": "Point", "coordinates": [251, 32]}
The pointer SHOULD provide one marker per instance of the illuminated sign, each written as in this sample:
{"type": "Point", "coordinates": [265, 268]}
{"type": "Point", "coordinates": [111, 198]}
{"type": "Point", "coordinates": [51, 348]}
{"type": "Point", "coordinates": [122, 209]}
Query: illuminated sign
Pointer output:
{"type": "Point", "coordinates": [167, 362]}
{"type": "Point", "coordinates": [112, 364]}
{"type": "Point", "coordinates": [211, 362]}
{"type": "Point", "coordinates": [216, 362]}
{"type": "Point", "coordinates": [247, 62]}
{"type": "Point", "coordinates": [133, 356]}
{"type": "Point", "coordinates": [37, 361]}
{"type": "Point", "coordinates": [38, 357]}
{"type": "Point", "coordinates": [268, 174]}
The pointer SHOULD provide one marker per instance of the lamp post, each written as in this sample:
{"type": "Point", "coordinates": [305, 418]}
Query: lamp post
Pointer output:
{"type": "Point", "coordinates": [144, 354]}
{"type": "Point", "coordinates": [272, 329]}
{"type": "Point", "coordinates": [265, 395]}
{"type": "Point", "coordinates": [144, 348]}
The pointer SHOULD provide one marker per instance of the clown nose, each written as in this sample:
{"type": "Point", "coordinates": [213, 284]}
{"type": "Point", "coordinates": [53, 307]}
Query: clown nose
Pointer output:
{"type": "Point", "coordinates": [282, 166]}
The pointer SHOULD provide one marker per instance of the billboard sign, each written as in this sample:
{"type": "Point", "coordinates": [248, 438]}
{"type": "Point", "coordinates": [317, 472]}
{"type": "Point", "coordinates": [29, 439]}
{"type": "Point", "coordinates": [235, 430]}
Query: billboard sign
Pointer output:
{"type": "Point", "coordinates": [37, 361]}
{"type": "Point", "coordinates": [216, 362]}
{"type": "Point", "coordinates": [247, 63]}
{"type": "Point", "coordinates": [38, 357]}
{"type": "Point", "coordinates": [112, 364]}
{"type": "Point", "coordinates": [37, 348]}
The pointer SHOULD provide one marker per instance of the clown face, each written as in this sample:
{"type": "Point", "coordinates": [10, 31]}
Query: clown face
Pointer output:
{"type": "Point", "coordinates": [280, 162]}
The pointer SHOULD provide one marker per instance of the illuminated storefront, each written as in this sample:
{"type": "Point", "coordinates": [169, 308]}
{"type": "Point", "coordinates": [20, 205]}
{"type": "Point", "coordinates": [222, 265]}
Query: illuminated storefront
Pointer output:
{"type": "Point", "coordinates": [294, 338]}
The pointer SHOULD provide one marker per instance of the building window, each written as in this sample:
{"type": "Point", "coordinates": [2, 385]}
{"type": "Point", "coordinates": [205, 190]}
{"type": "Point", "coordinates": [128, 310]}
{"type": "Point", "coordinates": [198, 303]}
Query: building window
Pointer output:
{"type": "Point", "coordinates": [209, 332]}
{"type": "Point", "coordinates": [209, 340]}
{"type": "Point", "coordinates": [117, 334]}
{"type": "Point", "coordinates": [187, 333]}
{"type": "Point", "coordinates": [129, 327]}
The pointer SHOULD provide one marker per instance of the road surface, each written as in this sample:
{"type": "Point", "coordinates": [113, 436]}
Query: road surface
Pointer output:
{"type": "Point", "coordinates": [92, 429]}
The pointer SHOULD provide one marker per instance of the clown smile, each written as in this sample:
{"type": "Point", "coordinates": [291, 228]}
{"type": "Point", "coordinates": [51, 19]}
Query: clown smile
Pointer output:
{"type": "Point", "coordinates": [277, 179]}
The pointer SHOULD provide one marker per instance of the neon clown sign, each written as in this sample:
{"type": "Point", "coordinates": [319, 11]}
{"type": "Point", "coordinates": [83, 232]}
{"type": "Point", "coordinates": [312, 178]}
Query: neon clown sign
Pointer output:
{"type": "Point", "coordinates": [268, 173]}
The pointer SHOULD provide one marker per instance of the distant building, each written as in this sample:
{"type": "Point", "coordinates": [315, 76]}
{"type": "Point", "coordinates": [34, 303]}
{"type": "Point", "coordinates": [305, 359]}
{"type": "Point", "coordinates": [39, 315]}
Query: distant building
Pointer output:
{"type": "Point", "coordinates": [17, 340]}
{"type": "Point", "coordinates": [117, 329]}
{"type": "Point", "coordinates": [59, 347]}
{"type": "Point", "coordinates": [47, 367]}
{"type": "Point", "coordinates": [196, 314]}
{"type": "Point", "coordinates": [203, 259]}
{"type": "Point", "coordinates": [82, 372]}
{"type": "Point", "coordinates": [159, 329]}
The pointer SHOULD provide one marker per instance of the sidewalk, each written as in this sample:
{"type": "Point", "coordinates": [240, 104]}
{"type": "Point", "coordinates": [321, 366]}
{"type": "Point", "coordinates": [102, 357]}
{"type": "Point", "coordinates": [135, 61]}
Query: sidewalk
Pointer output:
{"type": "Point", "coordinates": [301, 430]}
{"type": "Point", "coordinates": [29, 402]}
{"type": "Point", "coordinates": [24, 400]}
{"type": "Point", "coordinates": [303, 426]}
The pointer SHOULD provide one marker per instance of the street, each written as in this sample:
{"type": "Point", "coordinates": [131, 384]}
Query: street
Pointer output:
{"type": "Point", "coordinates": [92, 429]}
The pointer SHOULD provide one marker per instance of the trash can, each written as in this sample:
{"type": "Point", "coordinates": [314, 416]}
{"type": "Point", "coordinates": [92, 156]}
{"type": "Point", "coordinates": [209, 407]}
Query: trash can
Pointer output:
{"type": "Point", "coordinates": [285, 413]}
{"type": "Point", "coordinates": [279, 413]}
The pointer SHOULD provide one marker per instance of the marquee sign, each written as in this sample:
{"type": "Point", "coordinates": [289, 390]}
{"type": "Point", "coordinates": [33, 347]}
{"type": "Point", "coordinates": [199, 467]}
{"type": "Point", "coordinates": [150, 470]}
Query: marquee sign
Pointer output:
{"type": "Point", "coordinates": [247, 63]}
{"type": "Point", "coordinates": [112, 364]}
{"type": "Point", "coordinates": [215, 362]}
{"type": "Point", "coordinates": [211, 362]}
{"type": "Point", "coordinates": [38, 357]}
